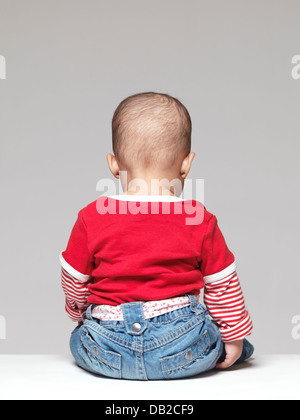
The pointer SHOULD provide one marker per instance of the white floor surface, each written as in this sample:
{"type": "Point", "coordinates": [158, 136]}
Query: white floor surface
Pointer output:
{"type": "Point", "coordinates": [56, 377]}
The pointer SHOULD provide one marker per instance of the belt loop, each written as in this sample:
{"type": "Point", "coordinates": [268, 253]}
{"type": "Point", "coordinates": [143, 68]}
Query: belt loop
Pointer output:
{"type": "Point", "coordinates": [194, 303]}
{"type": "Point", "coordinates": [88, 313]}
{"type": "Point", "coordinates": [133, 314]}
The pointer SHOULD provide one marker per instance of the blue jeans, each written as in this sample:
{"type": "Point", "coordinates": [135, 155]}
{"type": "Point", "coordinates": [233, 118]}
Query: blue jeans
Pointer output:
{"type": "Point", "coordinates": [178, 344]}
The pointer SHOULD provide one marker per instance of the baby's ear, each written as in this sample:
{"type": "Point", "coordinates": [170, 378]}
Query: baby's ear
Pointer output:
{"type": "Point", "coordinates": [113, 165]}
{"type": "Point", "coordinates": [186, 164]}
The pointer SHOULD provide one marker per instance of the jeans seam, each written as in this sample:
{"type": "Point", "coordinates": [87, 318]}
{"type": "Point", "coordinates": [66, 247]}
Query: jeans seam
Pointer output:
{"type": "Point", "coordinates": [142, 360]}
{"type": "Point", "coordinates": [108, 334]}
{"type": "Point", "coordinates": [184, 331]}
{"type": "Point", "coordinates": [168, 322]}
{"type": "Point", "coordinates": [114, 341]}
{"type": "Point", "coordinates": [136, 358]}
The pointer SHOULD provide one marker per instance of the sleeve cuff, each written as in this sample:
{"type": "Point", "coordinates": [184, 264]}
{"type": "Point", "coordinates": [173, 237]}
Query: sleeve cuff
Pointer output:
{"type": "Point", "coordinates": [74, 273]}
{"type": "Point", "coordinates": [221, 274]}
{"type": "Point", "coordinates": [239, 331]}
{"type": "Point", "coordinates": [75, 314]}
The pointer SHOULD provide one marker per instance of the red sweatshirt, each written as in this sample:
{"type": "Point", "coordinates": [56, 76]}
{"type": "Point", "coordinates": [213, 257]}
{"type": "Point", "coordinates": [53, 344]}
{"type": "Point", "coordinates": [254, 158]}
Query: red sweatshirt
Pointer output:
{"type": "Point", "coordinates": [148, 248]}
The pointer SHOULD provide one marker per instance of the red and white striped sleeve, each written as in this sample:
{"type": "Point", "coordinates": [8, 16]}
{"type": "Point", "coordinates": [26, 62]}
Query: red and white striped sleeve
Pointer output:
{"type": "Point", "coordinates": [225, 303]}
{"type": "Point", "coordinates": [76, 274]}
{"type": "Point", "coordinates": [223, 295]}
{"type": "Point", "coordinates": [75, 287]}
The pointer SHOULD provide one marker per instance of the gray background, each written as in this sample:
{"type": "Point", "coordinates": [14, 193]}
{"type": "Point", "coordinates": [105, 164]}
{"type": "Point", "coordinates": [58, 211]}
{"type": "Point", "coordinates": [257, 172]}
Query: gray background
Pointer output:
{"type": "Point", "coordinates": [70, 63]}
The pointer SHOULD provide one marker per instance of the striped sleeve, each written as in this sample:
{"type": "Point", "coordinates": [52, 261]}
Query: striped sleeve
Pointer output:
{"type": "Point", "coordinates": [225, 303]}
{"type": "Point", "coordinates": [76, 293]}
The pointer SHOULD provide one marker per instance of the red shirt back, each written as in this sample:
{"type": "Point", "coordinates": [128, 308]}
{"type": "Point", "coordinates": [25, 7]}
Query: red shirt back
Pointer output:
{"type": "Point", "coordinates": [139, 250]}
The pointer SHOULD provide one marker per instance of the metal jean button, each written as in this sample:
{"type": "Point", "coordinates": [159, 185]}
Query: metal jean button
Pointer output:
{"type": "Point", "coordinates": [136, 327]}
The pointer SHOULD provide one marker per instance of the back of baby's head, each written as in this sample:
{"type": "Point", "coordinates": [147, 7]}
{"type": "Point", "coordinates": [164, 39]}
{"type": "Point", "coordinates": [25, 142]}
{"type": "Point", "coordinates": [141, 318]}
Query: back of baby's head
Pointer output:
{"type": "Point", "coordinates": [151, 130]}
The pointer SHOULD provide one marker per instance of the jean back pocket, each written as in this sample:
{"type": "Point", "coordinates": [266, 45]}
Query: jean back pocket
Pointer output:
{"type": "Point", "coordinates": [101, 361]}
{"type": "Point", "coordinates": [188, 362]}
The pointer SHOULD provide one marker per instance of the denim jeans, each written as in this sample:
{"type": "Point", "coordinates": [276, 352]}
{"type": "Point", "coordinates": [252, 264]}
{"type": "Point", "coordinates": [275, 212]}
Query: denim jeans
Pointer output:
{"type": "Point", "coordinates": [178, 344]}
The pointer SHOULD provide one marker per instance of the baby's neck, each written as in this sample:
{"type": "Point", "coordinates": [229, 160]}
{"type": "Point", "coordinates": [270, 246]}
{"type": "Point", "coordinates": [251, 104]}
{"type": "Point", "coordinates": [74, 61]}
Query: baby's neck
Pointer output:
{"type": "Point", "coordinates": [160, 192]}
{"type": "Point", "coordinates": [152, 186]}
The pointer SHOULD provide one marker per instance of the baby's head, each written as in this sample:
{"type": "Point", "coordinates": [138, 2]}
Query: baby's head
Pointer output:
{"type": "Point", "coordinates": [151, 137]}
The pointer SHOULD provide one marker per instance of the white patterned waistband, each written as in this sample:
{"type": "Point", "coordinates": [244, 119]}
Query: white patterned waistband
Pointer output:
{"type": "Point", "coordinates": [151, 308]}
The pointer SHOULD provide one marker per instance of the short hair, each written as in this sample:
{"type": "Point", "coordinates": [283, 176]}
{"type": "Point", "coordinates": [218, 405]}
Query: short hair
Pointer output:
{"type": "Point", "coordinates": [151, 129]}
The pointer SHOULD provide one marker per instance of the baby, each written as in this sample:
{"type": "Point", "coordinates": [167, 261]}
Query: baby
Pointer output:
{"type": "Point", "coordinates": [136, 263]}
